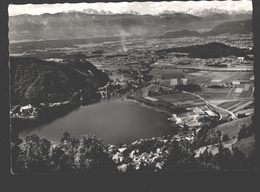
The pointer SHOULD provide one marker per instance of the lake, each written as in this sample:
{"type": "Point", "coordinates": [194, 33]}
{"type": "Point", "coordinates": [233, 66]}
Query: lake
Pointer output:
{"type": "Point", "coordinates": [113, 120]}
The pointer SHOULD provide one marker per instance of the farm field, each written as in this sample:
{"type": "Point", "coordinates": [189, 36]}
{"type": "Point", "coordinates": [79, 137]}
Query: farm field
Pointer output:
{"type": "Point", "coordinates": [214, 96]}
{"type": "Point", "coordinates": [227, 98]}
{"type": "Point", "coordinates": [181, 99]}
{"type": "Point", "coordinates": [216, 90]}
{"type": "Point", "coordinates": [239, 106]}
{"type": "Point", "coordinates": [209, 77]}
{"type": "Point", "coordinates": [164, 62]}
{"type": "Point", "coordinates": [222, 69]}
{"type": "Point", "coordinates": [226, 105]}
{"type": "Point", "coordinates": [215, 93]}
{"type": "Point", "coordinates": [250, 111]}
{"type": "Point", "coordinates": [240, 76]}
{"type": "Point", "coordinates": [241, 91]}
{"type": "Point", "coordinates": [166, 73]}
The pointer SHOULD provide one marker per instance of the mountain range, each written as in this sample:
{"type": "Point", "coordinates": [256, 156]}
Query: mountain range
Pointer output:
{"type": "Point", "coordinates": [82, 25]}
{"type": "Point", "coordinates": [214, 10]}
{"type": "Point", "coordinates": [103, 12]}
{"type": "Point", "coordinates": [200, 13]}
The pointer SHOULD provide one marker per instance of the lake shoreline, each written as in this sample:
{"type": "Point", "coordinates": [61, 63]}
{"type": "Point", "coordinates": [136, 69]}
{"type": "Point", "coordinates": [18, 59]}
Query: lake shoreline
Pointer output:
{"type": "Point", "coordinates": [47, 115]}
{"type": "Point", "coordinates": [142, 104]}
{"type": "Point", "coordinates": [117, 120]}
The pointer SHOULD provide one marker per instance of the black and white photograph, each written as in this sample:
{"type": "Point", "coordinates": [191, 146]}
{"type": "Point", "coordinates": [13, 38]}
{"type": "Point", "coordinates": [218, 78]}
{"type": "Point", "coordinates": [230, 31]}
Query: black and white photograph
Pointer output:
{"type": "Point", "coordinates": [128, 87]}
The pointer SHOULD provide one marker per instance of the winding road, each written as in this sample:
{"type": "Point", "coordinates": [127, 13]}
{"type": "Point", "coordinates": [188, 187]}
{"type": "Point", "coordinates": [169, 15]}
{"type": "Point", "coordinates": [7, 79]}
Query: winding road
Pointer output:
{"type": "Point", "coordinates": [207, 102]}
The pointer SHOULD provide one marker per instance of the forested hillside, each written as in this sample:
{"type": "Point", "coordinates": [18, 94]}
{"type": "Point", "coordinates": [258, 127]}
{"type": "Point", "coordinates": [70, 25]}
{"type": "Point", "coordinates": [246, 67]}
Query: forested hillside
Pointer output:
{"type": "Point", "coordinates": [210, 50]}
{"type": "Point", "coordinates": [34, 80]}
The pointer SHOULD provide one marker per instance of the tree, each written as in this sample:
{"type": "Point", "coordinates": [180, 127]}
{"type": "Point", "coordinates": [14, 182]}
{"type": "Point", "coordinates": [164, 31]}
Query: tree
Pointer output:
{"type": "Point", "coordinates": [219, 133]}
{"type": "Point", "coordinates": [223, 159]}
{"type": "Point", "coordinates": [172, 158]}
{"type": "Point", "coordinates": [60, 160]}
{"type": "Point", "coordinates": [15, 150]}
{"type": "Point", "coordinates": [34, 155]}
{"type": "Point", "coordinates": [161, 90]}
{"type": "Point", "coordinates": [70, 146]}
{"type": "Point", "coordinates": [226, 160]}
{"type": "Point", "coordinates": [179, 158]}
{"type": "Point", "coordinates": [245, 131]}
{"type": "Point", "coordinates": [91, 155]}
{"type": "Point", "coordinates": [225, 138]}
{"type": "Point", "coordinates": [238, 159]}
{"type": "Point", "coordinates": [201, 137]}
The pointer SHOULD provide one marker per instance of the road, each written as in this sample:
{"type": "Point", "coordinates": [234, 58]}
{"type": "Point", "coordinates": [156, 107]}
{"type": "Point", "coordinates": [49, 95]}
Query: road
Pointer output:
{"type": "Point", "coordinates": [207, 102]}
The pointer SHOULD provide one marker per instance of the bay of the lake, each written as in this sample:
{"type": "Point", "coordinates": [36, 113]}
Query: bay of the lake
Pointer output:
{"type": "Point", "coordinates": [113, 120]}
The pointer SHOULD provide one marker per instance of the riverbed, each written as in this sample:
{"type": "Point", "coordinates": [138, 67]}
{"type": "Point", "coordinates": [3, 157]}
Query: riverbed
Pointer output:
{"type": "Point", "coordinates": [114, 120]}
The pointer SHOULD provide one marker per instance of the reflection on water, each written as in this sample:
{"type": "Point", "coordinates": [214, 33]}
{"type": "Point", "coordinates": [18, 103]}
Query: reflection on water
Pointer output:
{"type": "Point", "coordinates": [114, 120]}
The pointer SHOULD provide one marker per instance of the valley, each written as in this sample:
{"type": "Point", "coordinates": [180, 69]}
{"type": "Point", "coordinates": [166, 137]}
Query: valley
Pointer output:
{"type": "Point", "coordinates": [140, 91]}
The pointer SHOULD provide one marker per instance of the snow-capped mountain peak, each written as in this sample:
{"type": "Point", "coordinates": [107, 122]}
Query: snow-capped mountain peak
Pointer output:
{"type": "Point", "coordinates": [132, 12]}
{"type": "Point", "coordinates": [213, 10]}
{"type": "Point", "coordinates": [90, 11]}
{"type": "Point", "coordinates": [167, 12]}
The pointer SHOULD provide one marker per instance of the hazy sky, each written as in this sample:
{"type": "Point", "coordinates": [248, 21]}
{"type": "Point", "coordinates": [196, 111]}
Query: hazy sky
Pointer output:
{"type": "Point", "coordinates": [141, 7]}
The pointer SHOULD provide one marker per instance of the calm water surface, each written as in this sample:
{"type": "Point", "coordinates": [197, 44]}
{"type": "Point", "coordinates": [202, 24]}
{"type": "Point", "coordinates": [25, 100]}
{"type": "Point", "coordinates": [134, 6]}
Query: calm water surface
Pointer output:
{"type": "Point", "coordinates": [113, 120]}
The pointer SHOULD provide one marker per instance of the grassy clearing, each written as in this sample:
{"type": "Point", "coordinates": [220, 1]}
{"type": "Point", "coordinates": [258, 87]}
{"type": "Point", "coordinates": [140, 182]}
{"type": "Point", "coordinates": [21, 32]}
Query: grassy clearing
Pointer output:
{"type": "Point", "coordinates": [246, 145]}
{"type": "Point", "coordinates": [232, 128]}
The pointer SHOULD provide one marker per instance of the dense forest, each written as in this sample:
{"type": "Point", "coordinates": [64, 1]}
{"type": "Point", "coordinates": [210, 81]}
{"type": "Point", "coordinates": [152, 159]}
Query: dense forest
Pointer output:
{"type": "Point", "coordinates": [34, 80]}
{"type": "Point", "coordinates": [164, 153]}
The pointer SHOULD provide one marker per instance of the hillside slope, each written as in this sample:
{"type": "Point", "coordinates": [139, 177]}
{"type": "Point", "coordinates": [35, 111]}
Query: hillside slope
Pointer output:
{"type": "Point", "coordinates": [182, 33]}
{"type": "Point", "coordinates": [216, 50]}
{"type": "Point", "coordinates": [246, 145]}
{"type": "Point", "coordinates": [231, 129]}
{"type": "Point", "coordinates": [210, 50]}
{"type": "Point", "coordinates": [233, 27]}
{"type": "Point", "coordinates": [35, 80]}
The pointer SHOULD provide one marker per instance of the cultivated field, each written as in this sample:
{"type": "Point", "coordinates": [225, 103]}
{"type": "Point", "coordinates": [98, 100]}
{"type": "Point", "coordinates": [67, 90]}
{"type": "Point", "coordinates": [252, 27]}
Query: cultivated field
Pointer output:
{"type": "Point", "coordinates": [209, 77]}
{"type": "Point", "coordinates": [227, 105]}
{"type": "Point", "coordinates": [168, 73]}
{"type": "Point", "coordinates": [181, 99]}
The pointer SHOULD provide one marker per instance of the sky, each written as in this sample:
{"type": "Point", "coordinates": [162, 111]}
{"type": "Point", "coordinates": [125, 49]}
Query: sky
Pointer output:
{"type": "Point", "coordinates": [141, 7]}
